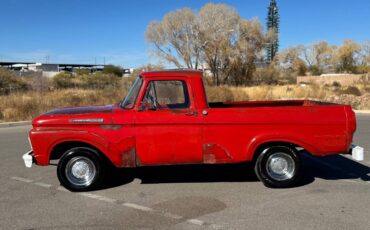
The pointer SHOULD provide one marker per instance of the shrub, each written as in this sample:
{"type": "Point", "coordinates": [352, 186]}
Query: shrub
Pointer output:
{"type": "Point", "coordinates": [269, 75]}
{"type": "Point", "coordinates": [148, 67]}
{"type": "Point", "coordinates": [111, 69]}
{"type": "Point", "coordinates": [38, 83]}
{"type": "Point", "coordinates": [315, 70]}
{"type": "Point", "coordinates": [353, 90]}
{"type": "Point", "coordinates": [219, 94]}
{"type": "Point", "coordinates": [225, 94]}
{"type": "Point", "coordinates": [63, 80]}
{"type": "Point", "coordinates": [82, 71]}
{"type": "Point", "coordinates": [336, 84]}
{"type": "Point", "coordinates": [99, 80]}
{"type": "Point", "coordinates": [10, 82]}
{"type": "Point", "coordinates": [301, 68]}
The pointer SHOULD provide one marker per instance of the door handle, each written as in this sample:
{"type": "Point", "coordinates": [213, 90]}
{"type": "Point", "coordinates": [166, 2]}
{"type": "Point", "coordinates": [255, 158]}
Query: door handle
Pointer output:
{"type": "Point", "coordinates": [192, 113]}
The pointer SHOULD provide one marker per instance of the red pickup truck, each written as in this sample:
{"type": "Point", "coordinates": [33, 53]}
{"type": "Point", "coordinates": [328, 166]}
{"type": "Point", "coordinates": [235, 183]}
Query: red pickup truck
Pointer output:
{"type": "Point", "coordinates": [165, 119]}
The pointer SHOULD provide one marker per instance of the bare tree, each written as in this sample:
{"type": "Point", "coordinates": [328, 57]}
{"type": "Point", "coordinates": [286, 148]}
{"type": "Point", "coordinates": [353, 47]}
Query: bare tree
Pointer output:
{"type": "Point", "coordinates": [318, 56]}
{"type": "Point", "coordinates": [216, 37]}
{"type": "Point", "coordinates": [218, 25]}
{"type": "Point", "coordinates": [366, 52]}
{"type": "Point", "coordinates": [249, 45]}
{"type": "Point", "coordinates": [291, 61]}
{"type": "Point", "coordinates": [364, 58]}
{"type": "Point", "coordinates": [346, 57]}
{"type": "Point", "coordinates": [175, 38]}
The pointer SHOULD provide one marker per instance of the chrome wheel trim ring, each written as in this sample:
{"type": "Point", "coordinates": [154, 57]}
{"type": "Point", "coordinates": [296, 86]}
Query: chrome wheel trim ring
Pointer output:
{"type": "Point", "coordinates": [80, 171]}
{"type": "Point", "coordinates": [280, 166]}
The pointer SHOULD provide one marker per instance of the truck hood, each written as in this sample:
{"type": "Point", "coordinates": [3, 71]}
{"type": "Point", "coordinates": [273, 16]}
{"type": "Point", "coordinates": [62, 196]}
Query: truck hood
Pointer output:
{"type": "Point", "coordinates": [76, 115]}
{"type": "Point", "coordinates": [81, 110]}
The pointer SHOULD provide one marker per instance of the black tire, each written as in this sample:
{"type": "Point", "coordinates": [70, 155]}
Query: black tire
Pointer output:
{"type": "Point", "coordinates": [81, 169]}
{"type": "Point", "coordinates": [278, 167]}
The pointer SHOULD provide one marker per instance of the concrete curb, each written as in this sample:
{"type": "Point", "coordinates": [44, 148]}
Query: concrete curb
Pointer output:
{"type": "Point", "coordinates": [362, 111]}
{"type": "Point", "coordinates": [14, 124]}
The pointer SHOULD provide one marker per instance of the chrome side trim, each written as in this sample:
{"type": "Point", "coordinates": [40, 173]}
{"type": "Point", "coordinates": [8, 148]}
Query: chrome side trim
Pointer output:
{"type": "Point", "coordinates": [88, 120]}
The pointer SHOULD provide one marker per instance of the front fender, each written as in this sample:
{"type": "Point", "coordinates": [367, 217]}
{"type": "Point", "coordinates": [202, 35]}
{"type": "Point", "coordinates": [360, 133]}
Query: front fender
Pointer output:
{"type": "Point", "coordinates": [43, 142]}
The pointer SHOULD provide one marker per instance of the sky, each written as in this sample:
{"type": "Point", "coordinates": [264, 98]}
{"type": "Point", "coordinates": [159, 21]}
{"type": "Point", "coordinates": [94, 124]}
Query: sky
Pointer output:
{"type": "Point", "coordinates": [112, 31]}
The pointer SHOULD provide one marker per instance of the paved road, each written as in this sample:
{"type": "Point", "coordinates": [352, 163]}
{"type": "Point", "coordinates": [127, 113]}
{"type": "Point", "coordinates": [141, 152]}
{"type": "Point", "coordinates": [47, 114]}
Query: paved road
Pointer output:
{"type": "Point", "coordinates": [335, 194]}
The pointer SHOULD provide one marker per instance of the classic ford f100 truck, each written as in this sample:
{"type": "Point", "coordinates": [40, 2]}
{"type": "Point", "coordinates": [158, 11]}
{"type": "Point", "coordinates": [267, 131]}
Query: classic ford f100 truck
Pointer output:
{"type": "Point", "coordinates": [165, 119]}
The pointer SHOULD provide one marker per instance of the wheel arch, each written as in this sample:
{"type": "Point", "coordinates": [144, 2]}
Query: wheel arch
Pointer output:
{"type": "Point", "coordinates": [60, 148]}
{"type": "Point", "coordinates": [268, 144]}
{"type": "Point", "coordinates": [256, 147]}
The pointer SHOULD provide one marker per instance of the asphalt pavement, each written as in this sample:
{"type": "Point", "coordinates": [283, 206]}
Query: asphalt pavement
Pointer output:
{"type": "Point", "coordinates": [334, 194]}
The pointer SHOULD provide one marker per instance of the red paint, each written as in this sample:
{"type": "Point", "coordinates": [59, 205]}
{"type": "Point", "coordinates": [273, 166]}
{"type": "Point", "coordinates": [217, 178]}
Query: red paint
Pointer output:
{"type": "Point", "coordinates": [221, 133]}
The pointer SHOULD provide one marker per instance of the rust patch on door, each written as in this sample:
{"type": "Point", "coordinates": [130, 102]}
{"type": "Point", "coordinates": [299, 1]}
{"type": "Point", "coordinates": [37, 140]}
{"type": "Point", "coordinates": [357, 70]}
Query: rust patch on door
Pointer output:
{"type": "Point", "coordinates": [214, 153]}
{"type": "Point", "coordinates": [129, 158]}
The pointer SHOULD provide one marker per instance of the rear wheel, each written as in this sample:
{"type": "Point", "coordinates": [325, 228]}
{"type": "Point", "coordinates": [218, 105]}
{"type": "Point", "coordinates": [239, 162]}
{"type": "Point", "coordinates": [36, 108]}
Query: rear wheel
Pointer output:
{"type": "Point", "coordinates": [80, 169]}
{"type": "Point", "coordinates": [278, 166]}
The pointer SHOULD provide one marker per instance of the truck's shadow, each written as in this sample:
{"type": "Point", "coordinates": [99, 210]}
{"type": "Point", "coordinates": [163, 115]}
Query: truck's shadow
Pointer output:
{"type": "Point", "coordinates": [328, 168]}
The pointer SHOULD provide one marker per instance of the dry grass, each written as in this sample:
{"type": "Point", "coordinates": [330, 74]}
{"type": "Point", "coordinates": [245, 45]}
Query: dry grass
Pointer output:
{"type": "Point", "coordinates": [357, 96]}
{"type": "Point", "coordinates": [27, 105]}
{"type": "Point", "coordinates": [265, 92]}
{"type": "Point", "coordinates": [286, 92]}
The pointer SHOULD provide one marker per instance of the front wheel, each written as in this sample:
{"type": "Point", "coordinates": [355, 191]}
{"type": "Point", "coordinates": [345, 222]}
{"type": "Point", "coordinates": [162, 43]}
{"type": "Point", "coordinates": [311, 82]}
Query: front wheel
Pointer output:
{"type": "Point", "coordinates": [80, 169]}
{"type": "Point", "coordinates": [278, 166]}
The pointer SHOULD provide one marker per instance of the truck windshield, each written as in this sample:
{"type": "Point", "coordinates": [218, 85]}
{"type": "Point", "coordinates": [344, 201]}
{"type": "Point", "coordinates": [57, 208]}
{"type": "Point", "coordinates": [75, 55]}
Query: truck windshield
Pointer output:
{"type": "Point", "coordinates": [130, 99]}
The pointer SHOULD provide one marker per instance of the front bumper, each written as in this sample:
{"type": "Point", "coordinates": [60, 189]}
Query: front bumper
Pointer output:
{"type": "Point", "coordinates": [28, 159]}
{"type": "Point", "coordinates": [357, 153]}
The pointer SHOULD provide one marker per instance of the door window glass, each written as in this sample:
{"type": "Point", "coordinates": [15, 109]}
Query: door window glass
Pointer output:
{"type": "Point", "coordinates": [168, 94]}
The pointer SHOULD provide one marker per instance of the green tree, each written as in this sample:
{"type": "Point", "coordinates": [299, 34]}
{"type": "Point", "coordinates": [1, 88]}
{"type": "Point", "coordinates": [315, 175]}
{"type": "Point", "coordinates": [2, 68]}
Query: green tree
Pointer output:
{"type": "Point", "coordinates": [273, 27]}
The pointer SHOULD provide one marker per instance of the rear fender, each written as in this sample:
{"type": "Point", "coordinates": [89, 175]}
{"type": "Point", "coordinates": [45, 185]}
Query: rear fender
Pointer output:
{"type": "Point", "coordinates": [286, 138]}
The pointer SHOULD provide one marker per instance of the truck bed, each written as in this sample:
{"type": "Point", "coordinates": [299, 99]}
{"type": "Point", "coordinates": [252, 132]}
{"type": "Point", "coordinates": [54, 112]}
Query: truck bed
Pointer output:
{"type": "Point", "coordinates": [280, 103]}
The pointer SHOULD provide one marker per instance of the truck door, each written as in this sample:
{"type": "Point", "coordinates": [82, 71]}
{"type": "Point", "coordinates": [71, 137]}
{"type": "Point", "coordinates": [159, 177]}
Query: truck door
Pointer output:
{"type": "Point", "coordinates": [168, 129]}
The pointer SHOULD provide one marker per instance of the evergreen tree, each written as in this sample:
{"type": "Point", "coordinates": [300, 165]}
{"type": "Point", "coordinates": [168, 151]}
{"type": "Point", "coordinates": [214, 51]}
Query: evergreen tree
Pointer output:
{"type": "Point", "coordinates": [273, 24]}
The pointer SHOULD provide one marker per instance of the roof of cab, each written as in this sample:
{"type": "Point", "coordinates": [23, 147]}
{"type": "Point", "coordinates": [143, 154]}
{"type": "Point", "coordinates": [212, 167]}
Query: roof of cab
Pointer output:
{"type": "Point", "coordinates": [173, 72]}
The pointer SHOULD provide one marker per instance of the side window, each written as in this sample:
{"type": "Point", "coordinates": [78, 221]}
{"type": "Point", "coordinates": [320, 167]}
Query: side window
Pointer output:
{"type": "Point", "coordinates": [168, 94]}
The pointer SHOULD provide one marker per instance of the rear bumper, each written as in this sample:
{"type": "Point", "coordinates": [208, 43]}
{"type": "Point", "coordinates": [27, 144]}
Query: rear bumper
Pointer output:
{"type": "Point", "coordinates": [356, 152]}
{"type": "Point", "coordinates": [29, 159]}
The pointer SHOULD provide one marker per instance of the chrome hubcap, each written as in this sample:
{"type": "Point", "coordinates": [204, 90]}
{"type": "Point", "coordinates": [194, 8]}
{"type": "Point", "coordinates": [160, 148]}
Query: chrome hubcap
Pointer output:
{"type": "Point", "coordinates": [80, 171]}
{"type": "Point", "coordinates": [280, 166]}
